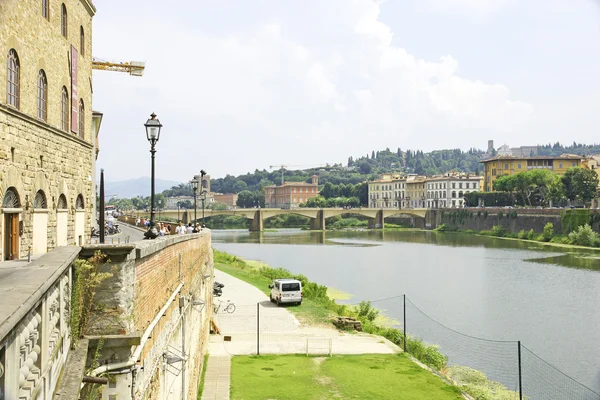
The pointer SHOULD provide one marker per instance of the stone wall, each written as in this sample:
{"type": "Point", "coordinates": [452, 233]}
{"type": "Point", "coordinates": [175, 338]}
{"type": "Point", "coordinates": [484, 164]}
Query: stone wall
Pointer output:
{"type": "Point", "coordinates": [511, 219]}
{"type": "Point", "coordinates": [36, 154]}
{"type": "Point", "coordinates": [146, 276]}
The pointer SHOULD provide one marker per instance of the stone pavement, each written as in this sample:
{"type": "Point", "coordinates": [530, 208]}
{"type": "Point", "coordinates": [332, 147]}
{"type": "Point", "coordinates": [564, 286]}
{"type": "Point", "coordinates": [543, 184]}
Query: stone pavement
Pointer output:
{"type": "Point", "coordinates": [217, 379]}
{"type": "Point", "coordinates": [280, 333]}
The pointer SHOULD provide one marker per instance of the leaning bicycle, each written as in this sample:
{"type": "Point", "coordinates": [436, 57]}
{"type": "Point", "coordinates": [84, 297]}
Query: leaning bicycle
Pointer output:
{"type": "Point", "coordinates": [226, 307]}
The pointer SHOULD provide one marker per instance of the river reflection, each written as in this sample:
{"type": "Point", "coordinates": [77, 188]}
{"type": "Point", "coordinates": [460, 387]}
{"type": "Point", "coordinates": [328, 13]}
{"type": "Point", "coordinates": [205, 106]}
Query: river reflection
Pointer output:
{"type": "Point", "coordinates": [547, 297]}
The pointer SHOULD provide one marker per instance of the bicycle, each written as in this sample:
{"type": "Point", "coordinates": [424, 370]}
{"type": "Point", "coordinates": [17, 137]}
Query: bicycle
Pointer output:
{"type": "Point", "coordinates": [228, 307]}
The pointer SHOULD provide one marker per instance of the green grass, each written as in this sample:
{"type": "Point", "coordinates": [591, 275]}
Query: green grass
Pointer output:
{"type": "Point", "coordinates": [309, 313]}
{"type": "Point", "coordinates": [201, 384]}
{"type": "Point", "coordinates": [295, 377]}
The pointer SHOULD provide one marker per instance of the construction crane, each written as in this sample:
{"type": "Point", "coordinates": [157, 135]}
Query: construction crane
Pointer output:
{"type": "Point", "coordinates": [135, 68]}
{"type": "Point", "coordinates": [283, 167]}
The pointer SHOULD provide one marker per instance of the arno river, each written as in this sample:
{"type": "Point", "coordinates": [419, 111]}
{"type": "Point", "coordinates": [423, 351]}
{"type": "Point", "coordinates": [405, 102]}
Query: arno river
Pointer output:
{"type": "Point", "coordinates": [548, 298]}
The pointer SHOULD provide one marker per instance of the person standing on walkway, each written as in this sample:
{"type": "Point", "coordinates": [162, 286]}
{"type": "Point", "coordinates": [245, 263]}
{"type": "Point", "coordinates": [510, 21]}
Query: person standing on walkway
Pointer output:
{"type": "Point", "coordinates": [180, 230]}
{"type": "Point", "coordinates": [189, 229]}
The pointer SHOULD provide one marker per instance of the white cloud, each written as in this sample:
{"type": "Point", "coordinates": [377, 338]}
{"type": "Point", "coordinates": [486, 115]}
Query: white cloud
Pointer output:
{"type": "Point", "coordinates": [475, 9]}
{"type": "Point", "coordinates": [236, 101]}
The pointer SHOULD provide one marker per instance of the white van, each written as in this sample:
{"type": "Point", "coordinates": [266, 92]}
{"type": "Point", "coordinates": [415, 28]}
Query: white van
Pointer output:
{"type": "Point", "coordinates": [286, 291]}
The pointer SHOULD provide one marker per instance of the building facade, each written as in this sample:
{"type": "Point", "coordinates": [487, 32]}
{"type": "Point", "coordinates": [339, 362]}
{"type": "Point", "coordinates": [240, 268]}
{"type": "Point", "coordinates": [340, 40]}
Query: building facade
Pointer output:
{"type": "Point", "coordinates": [230, 199]}
{"type": "Point", "coordinates": [47, 140]}
{"type": "Point", "coordinates": [510, 165]}
{"type": "Point", "coordinates": [291, 194]}
{"type": "Point", "coordinates": [449, 190]}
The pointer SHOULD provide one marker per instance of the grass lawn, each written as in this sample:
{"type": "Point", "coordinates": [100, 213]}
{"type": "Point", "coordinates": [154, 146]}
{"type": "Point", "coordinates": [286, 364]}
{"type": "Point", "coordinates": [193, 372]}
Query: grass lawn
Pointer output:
{"type": "Point", "coordinates": [297, 377]}
{"type": "Point", "coordinates": [309, 313]}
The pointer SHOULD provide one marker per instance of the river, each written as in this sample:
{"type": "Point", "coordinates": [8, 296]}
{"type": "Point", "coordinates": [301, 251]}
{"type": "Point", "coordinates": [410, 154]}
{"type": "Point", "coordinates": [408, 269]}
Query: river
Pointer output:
{"type": "Point", "coordinates": [546, 297]}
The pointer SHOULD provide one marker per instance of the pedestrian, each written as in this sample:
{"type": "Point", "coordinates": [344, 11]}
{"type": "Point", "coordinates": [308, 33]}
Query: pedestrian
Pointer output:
{"type": "Point", "coordinates": [169, 228]}
{"type": "Point", "coordinates": [180, 230]}
{"type": "Point", "coordinates": [189, 229]}
{"type": "Point", "coordinates": [162, 230]}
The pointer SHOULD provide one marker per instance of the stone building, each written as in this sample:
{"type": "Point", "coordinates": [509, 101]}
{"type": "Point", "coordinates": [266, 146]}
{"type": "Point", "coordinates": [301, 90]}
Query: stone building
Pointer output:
{"type": "Point", "coordinates": [291, 194]}
{"type": "Point", "coordinates": [47, 131]}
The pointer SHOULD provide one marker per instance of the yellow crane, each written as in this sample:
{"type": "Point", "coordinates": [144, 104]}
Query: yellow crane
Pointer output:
{"type": "Point", "coordinates": [283, 167]}
{"type": "Point", "coordinates": [135, 68]}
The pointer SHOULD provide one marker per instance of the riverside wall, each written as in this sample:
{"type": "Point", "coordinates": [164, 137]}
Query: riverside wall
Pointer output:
{"type": "Point", "coordinates": [514, 219]}
{"type": "Point", "coordinates": [154, 314]}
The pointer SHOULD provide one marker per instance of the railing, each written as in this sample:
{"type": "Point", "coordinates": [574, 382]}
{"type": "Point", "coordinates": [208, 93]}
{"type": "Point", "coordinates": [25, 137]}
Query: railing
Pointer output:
{"type": "Point", "coordinates": [34, 333]}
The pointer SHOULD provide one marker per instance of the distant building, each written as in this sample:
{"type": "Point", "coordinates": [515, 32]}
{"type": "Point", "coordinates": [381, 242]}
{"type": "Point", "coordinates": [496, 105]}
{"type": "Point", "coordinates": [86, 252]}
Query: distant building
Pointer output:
{"type": "Point", "coordinates": [509, 165]}
{"type": "Point", "coordinates": [291, 194]}
{"type": "Point", "coordinates": [449, 190]}
{"type": "Point", "coordinates": [226, 198]}
{"type": "Point", "coordinates": [172, 201]}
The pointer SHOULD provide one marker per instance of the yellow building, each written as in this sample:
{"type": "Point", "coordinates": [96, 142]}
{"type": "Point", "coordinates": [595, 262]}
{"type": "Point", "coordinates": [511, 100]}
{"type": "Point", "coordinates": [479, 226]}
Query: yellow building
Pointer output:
{"type": "Point", "coordinates": [509, 165]}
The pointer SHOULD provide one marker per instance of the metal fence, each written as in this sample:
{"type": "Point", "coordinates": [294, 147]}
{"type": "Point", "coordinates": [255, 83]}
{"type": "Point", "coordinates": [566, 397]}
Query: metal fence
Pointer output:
{"type": "Point", "coordinates": [264, 328]}
{"type": "Point", "coordinates": [506, 362]}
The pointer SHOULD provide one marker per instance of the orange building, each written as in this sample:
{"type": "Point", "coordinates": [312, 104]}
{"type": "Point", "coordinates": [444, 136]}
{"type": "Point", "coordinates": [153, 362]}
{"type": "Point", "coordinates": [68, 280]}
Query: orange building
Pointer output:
{"type": "Point", "coordinates": [226, 198]}
{"type": "Point", "coordinates": [291, 194]}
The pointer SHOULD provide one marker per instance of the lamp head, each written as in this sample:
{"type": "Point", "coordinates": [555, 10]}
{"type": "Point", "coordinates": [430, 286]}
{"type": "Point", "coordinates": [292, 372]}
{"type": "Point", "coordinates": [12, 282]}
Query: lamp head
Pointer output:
{"type": "Point", "coordinates": [153, 127]}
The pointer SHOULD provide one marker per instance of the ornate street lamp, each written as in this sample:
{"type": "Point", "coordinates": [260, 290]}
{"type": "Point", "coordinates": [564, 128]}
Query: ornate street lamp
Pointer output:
{"type": "Point", "coordinates": [203, 197]}
{"type": "Point", "coordinates": [153, 127]}
{"type": "Point", "coordinates": [194, 182]}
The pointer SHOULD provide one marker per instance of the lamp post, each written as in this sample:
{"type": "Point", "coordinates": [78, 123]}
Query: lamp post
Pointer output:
{"type": "Point", "coordinates": [194, 182]}
{"type": "Point", "coordinates": [178, 208]}
{"type": "Point", "coordinates": [153, 127]}
{"type": "Point", "coordinates": [203, 197]}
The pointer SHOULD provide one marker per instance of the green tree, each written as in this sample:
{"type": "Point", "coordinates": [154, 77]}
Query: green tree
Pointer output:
{"type": "Point", "coordinates": [245, 199]}
{"type": "Point", "coordinates": [580, 184]}
{"type": "Point", "coordinates": [239, 186]}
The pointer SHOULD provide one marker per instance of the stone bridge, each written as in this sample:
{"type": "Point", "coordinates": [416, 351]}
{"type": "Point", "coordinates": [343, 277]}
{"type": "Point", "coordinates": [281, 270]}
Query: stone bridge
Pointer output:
{"type": "Point", "coordinates": [376, 216]}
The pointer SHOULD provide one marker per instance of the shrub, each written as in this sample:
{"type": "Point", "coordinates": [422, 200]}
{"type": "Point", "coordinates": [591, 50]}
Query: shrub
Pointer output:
{"type": "Point", "coordinates": [446, 228]}
{"type": "Point", "coordinates": [548, 232]}
{"type": "Point", "coordinates": [498, 231]}
{"type": "Point", "coordinates": [365, 311]}
{"type": "Point", "coordinates": [584, 236]}
{"type": "Point", "coordinates": [531, 235]}
{"type": "Point", "coordinates": [522, 234]}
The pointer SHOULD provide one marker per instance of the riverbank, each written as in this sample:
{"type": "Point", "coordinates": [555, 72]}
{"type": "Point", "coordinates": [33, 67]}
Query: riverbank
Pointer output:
{"type": "Point", "coordinates": [319, 309]}
{"type": "Point", "coordinates": [546, 238]}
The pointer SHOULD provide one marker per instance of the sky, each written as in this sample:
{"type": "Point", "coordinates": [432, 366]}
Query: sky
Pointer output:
{"type": "Point", "coordinates": [241, 85]}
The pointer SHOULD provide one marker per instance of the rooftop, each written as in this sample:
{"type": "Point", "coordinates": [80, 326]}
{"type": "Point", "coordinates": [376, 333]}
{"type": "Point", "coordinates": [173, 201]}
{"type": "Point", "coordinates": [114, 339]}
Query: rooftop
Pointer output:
{"type": "Point", "coordinates": [561, 157]}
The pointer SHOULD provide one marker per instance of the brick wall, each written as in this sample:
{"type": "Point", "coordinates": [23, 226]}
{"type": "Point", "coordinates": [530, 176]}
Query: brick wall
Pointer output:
{"type": "Point", "coordinates": [145, 276]}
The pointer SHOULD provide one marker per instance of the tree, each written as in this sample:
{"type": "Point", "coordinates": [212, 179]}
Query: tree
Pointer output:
{"type": "Point", "coordinates": [364, 167]}
{"type": "Point", "coordinates": [580, 184]}
{"type": "Point", "coordinates": [245, 199]}
{"type": "Point", "coordinates": [239, 186]}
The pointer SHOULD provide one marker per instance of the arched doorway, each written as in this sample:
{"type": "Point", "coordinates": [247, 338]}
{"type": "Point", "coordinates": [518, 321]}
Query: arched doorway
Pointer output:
{"type": "Point", "coordinates": [40, 224]}
{"type": "Point", "coordinates": [79, 221]}
{"type": "Point", "coordinates": [62, 221]}
{"type": "Point", "coordinates": [11, 208]}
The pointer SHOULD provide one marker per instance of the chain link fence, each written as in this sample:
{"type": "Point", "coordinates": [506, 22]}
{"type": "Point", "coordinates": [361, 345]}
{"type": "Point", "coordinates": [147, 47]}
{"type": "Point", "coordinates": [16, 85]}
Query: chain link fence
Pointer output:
{"type": "Point", "coordinates": [523, 374]}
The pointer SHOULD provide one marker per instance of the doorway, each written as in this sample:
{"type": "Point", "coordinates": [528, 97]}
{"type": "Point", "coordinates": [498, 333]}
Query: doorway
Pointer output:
{"type": "Point", "coordinates": [11, 236]}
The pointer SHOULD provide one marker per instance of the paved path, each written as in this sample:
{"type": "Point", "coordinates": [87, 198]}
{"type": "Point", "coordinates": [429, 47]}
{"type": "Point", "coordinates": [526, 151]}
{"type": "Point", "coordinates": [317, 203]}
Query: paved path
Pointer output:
{"type": "Point", "coordinates": [280, 333]}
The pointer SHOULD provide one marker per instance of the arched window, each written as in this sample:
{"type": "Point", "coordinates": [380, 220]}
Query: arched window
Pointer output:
{"type": "Point", "coordinates": [12, 82]}
{"type": "Point", "coordinates": [460, 194]}
{"type": "Point", "coordinates": [11, 199]}
{"type": "Point", "coordinates": [42, 104]}
{"type": "Point", "coordinates": [40, 200]}
{"type": "Point", "coordinates": [453, 194]}
{"type": "Point", "coordinates": [81, 119]}
{"type": "Point", "coordinates": [45, 9]}
{"type": "Point", "coordinates": [64, 110]}
{"type": "Point", "coordinates": [62, 202]}
{"type": "Point", "coordinates": [63, 20]}
{"type": "Point", "coordinates": [79, 204]}
{"type": "Point", "coordinates": [81, 41]}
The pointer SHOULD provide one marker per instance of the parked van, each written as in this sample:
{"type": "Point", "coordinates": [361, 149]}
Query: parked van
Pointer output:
{"type": "Point", "coordinates": [286, 291]}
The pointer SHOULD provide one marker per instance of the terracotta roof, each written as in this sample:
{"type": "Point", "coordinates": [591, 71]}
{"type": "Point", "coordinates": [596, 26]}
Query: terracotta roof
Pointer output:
{"type": "Point", "coordinates": [561, 157]}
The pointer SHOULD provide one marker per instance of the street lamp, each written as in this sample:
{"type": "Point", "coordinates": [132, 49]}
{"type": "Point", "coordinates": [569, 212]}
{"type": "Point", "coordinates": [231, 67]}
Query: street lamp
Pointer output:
{"type": "Point", "coordinates": [203, 197]}
{"type": "Point", "coordinates": [194, 182]}
{"type": "Point", "coordinates": [178, 208]}
{"type": "Point", "coordinates": [153, 127]}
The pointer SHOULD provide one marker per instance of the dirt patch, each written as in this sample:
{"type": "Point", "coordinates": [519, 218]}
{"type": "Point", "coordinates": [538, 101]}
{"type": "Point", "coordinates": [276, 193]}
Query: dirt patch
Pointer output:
{"type": "Point", "coordinates": [318, 360]}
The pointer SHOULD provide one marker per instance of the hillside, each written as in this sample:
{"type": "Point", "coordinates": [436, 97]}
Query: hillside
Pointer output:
{"type": "Point", "coordinates": [136, 187]}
